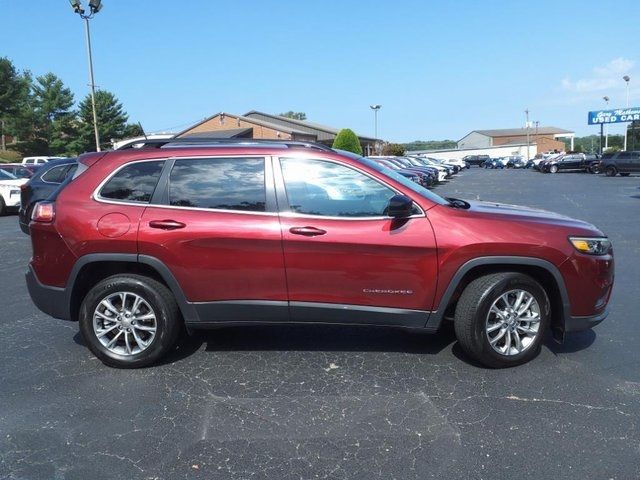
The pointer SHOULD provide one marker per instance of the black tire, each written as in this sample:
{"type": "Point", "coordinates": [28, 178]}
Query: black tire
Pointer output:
{"type": "Point", "coordinates": [161, 300]}
{"type": "Point", "coordinates": [553, 169]}
{"type": "Point", "coordinates": [3, 207]}
{"type": "Point", "coordinates": [626, 174]}
{"type": "Point", "coordinates": [472, 311]}
{"type": "Point", "coordinates": [611, 171]}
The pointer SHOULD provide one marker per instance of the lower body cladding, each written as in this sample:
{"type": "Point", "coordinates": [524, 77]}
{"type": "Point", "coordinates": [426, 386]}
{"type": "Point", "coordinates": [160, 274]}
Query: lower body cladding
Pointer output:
{"type": "Point", "coordinates": [580, 314]}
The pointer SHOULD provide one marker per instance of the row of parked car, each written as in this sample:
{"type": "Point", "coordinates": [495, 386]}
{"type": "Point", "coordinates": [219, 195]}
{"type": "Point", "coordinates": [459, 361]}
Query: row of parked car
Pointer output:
{"type": "Point", "coordinates": [426, 171]}
{"type": "Point", "coordinates": [611, 164]}
{"type": "Point", "coordinates": [24, 184]}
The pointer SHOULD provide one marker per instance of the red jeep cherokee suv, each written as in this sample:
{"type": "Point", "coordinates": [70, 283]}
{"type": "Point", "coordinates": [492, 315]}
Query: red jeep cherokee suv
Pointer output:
{"type": "Point", "coordinates": [144, 241]}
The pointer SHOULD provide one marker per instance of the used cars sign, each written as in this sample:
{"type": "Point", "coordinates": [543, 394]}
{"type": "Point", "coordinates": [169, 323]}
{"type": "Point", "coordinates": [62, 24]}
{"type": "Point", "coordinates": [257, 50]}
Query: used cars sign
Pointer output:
{"type": "Point", "coordinates": [614, 116]}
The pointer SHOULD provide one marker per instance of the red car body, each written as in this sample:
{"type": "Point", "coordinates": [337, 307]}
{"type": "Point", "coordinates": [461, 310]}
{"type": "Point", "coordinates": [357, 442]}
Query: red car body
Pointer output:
{"type": "Point", "coordinates": [273, 266]}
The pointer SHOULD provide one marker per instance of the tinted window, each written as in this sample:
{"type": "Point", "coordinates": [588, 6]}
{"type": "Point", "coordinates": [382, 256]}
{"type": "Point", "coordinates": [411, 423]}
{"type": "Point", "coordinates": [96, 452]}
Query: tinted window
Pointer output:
{"type": "Point", "coordinates": [6, 175]}
{"type": "Point", "coordinates": [133, 183]}
{"type": "Point", "coordinates": [317, 187]}
{"type": "Point", "coordinates": [624, 155]}
{"type": "Point", "coordinates": [55, 174]}
{"type": "Point", "coordinates": [220, 183]}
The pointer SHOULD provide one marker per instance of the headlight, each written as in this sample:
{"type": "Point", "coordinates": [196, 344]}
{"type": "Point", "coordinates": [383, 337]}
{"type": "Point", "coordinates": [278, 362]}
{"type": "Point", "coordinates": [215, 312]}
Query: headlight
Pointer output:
{"type": "Point", "coordinates": [591, 245]}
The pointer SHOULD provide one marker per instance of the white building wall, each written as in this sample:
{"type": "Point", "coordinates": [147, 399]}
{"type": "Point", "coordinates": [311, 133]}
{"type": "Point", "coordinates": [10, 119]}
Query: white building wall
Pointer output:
{"type": "Point", "coordinates": [474, 140]}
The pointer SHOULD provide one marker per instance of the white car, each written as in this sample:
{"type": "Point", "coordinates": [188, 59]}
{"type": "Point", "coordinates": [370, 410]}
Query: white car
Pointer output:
{"type": "Point", "coordinates": [10, 191]}
{"type": "Point", "coordinates": [37, 160]}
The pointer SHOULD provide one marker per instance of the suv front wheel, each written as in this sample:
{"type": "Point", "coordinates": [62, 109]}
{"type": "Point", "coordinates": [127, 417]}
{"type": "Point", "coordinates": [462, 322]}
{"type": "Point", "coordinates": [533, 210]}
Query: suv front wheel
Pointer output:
{"type": "Point", "coordinates": [500, 319]}
{"type": "Point", "coordinates": [129, 321]}
{"type": "Point", "coordinates": [611, 171]}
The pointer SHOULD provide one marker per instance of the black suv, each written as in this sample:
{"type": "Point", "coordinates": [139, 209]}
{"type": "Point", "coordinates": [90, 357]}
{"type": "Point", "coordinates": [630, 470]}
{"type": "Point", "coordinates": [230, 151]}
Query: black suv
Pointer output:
{"type": "Point", "coordinates": [477, 159]}
{"type": "Point", "coordinates": [44, 182]}
{"type": "Point", "coordinates": [571, 161]}
{"type": "Point", "coordinates": [622, 163]}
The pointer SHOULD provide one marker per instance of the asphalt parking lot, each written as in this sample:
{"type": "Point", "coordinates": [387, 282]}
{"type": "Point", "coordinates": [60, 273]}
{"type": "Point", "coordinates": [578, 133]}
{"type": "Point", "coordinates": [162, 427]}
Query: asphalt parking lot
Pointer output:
{"type": "Point", "coordinates": [334, 402]}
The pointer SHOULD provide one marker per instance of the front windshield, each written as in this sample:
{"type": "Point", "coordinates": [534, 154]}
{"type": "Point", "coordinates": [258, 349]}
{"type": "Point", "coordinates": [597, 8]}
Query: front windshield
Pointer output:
{"type": "Point", "coordinates": [410, 184]}
{"type": "Point", "coordinates": [7, 176]}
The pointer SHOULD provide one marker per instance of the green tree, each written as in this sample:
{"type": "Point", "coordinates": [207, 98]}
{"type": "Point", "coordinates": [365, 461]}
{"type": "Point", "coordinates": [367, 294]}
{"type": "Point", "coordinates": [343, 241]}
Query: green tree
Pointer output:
{"type": "Point", "coordinates": [347, 140]}
{"type": "Point", "coordinates": [430, 145]}
{"type": "Point", "coordinates": [16, 109]}
{"type": "Point", "coordinates": [112, 122]}
{"type": "Point", "coordinates": [53, 117]}
{"type": "Point", "coordinates": [294, 115]}
{"type": "Point", "coordinates": [394, 149]}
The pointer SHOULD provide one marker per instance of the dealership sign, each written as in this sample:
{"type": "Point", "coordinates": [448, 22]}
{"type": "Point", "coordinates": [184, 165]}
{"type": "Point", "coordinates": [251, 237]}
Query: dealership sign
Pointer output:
{"type": "Point", "coordinates": [614, 116]}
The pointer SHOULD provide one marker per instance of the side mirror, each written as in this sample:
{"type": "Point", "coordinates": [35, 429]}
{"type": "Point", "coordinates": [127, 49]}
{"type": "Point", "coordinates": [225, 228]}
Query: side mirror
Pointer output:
{"type": "Point", "coordinates": [400, 206]}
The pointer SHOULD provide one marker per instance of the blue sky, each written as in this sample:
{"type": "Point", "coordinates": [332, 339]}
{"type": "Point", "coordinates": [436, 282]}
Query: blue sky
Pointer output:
{"type": "Point", "coordinates": [440, 69]}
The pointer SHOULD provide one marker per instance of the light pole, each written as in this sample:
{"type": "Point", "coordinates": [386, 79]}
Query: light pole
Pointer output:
{"type": "Point", "coordinates": [375, 109]}
{"type": "Point", "coordinates": [606, 129]}
{"type": "Point", "coordinates": [626, 78]}
{"type": "Point", "coordinates": [527, 127]}
{"type": "Point", "coordinates": [94, 7]}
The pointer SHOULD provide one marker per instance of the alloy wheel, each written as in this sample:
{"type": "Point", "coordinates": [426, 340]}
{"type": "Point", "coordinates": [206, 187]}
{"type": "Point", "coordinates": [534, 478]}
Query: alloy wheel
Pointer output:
{"type": "Point", "coordinates": [513, 322]}
{"type": "Point", "coordinates": [124, 323]}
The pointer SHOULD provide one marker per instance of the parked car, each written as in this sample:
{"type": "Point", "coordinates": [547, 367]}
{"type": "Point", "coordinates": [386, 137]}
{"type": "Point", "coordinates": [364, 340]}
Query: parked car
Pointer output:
{"type": "Point", "coordinates": [38, 160]}
{"type": "Point", "coordinates": [494, 163]}
{"type": "Point", "coordinates": [427, 178]}
{"type": "Point", "coordinates": [444, 171]}
{"type": "Point", "coordinates": [18, 170]}
{"type": "Point", "coordinates": [44, 182]}
{"type": "Point", "coordinates": [9, 192]}
{"type": "Point", "coordinates": [516, 161]}
{"type": "Point", "coordinates": [478, 160]}
{"type": "Point", "coordinates": [142, 242]}
{"type": "Point", "coordinates": [405, 173]}
{"type": "Point", "coordinates": [570, 161]}
{"type": "Point", "coordinates": [440, 173]}
{"type": "Point", "coordinates": [623, 163]}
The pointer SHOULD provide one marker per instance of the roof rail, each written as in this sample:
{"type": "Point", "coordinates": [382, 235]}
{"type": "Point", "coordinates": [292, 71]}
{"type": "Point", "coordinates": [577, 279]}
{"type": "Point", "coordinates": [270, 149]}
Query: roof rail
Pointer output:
{"type": "Point", "coordinates": [226, 142]}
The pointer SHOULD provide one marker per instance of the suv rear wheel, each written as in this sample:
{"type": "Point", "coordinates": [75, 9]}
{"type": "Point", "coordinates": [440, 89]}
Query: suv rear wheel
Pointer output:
{"type": "Point", "coordinates": [611, 171]}
{"type": "Point", "coordinates": [129, 321]}
{"type": "Point", "coordinates": [501, 318]}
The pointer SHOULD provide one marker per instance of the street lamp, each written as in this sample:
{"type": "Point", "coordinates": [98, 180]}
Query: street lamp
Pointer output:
{"type": "Point", "coordinates": [94, 7]}
{"type": "Point", "coordinates": [606, 129]}
{"type": "Point", "coordinates": [626, 78]}
{"type": "Point", "coordinates": [375, 109]}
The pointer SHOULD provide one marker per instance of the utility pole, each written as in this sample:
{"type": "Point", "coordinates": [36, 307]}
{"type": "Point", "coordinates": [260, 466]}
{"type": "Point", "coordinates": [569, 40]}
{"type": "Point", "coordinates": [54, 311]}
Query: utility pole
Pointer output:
{"type": "Point", "coordinates": [606, 130]}
{"type": "Point", "coordinates": [94, 7]}
{"type": "Point", "coordinates": [527, 127]}
{"type": "Point", "coordinates": [626, 78]}
{"type": "Point", "coordinates": [4, 145]}
{"type": "Point", "coordinates": [375, 109]}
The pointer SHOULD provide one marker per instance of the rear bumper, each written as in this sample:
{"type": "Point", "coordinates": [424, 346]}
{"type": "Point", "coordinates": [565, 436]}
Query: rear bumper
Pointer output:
{"type": "Point", "coordinates": [578, 324]}
{"type": "Point", "coordinates": [50, 300]}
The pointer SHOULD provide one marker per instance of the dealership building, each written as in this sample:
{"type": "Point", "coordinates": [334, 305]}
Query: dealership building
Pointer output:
{"type": "Point", "coordinates": [508, 141]}
{"type": "Point", "coordinates": [260, 125]}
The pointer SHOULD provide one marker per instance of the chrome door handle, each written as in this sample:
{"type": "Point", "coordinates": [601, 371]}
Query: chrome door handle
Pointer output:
{"type": "Point", "coordinates": [166, 224]}
{"type": "Point", "coordinates": [307, 231]}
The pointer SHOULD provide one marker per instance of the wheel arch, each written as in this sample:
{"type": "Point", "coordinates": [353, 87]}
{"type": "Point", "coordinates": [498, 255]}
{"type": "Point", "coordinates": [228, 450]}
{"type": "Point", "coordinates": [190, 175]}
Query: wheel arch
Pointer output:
{"type": "Point", "coordinates": [544, 272]}
{"type": "Point", "coordinates": [92, 268]}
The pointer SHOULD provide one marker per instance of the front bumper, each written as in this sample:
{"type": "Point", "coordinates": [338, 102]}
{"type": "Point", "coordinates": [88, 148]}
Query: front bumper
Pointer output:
{"type": "Point", "coordinates": [50, 300]}
{"type": "Point", "coordinates": [578, 324]}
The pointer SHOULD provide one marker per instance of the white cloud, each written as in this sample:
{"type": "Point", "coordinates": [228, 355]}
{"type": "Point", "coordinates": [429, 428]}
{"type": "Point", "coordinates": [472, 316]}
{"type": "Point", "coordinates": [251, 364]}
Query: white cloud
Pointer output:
{"type": "Point", "coordinates": [603, 79]}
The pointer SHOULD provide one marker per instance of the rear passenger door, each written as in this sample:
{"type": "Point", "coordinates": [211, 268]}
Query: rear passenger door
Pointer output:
{"type": "Point", "coordinates": [213, 223]}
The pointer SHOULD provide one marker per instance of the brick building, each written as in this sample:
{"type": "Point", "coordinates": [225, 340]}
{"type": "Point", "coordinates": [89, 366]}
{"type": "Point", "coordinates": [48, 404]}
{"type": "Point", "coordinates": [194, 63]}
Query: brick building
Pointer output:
{"type": "Point", "coordinates": [545, 138]}
{"type": "Point", "coordinates": [262, 125]}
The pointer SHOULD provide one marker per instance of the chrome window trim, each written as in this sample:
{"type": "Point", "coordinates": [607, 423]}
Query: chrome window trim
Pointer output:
{"type": "Point", "coordinates": [96, 193]}
{"type": "Point", "coordinates": [291, 214]}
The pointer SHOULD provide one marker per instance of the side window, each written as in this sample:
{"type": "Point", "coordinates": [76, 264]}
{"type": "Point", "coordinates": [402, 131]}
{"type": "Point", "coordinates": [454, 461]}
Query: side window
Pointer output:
{"type": "Point", "coordinates": [55, 175]}
{"type": "Point", "coordinates": [134, 183]}
{"type": "Point", "coordinates": [219, 183]}
{"type": "Point", "coordinates": [71, 170]}
{"type": "Point", "coordinates": [317, 187]}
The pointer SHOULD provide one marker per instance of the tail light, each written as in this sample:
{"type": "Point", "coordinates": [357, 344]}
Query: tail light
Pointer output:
{"type": "Point", "coordinates": [44, 212]}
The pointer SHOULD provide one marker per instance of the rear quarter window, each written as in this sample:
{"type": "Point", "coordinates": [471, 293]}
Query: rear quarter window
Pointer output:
{"type": "Point", "coordinates": [135, 182]}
